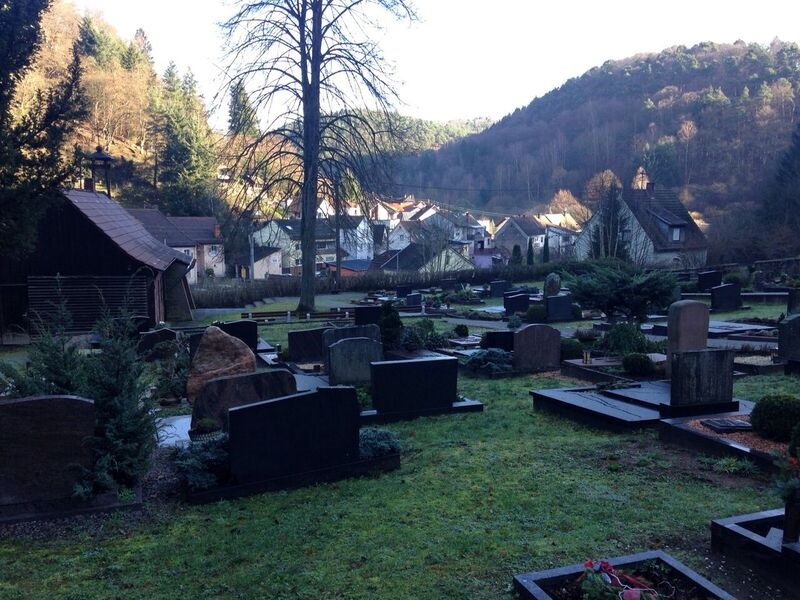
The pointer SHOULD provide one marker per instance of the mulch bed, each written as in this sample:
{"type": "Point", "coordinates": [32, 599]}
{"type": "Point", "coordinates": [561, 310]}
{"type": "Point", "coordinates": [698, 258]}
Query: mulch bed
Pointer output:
{"type": "Point", "coordinates": [746, 438]}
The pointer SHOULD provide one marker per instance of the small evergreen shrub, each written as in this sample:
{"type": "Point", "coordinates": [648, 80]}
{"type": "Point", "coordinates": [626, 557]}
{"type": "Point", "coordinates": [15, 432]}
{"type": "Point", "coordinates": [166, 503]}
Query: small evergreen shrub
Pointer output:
{"type": "Point", "coordinates": [776, 416]}
{"type": "Point", "coordinates": [514, 322]}
{"type": "Point", "coordinates": [206, 425]}
{"type": "Point", "coordinates": [638, 364]}
{"type": "Point", "coordinates": [624, 338]}
{"type": "Point", "coordinates": [740, 277]}
{"type": "Point", "coordinates": [391, 327]}
{"type": "Point", "coordinates": [571, 349]}
{"type": "Point", "coordinates": [435, 341]}
{"type": "Point", "coordinates": [577, 311]}
{"type": "Point", "coordinates": [461, 330]}
{"type": "Point", "coordinates": [411, 339]}
{"type": "Point", "coordinates": [374, 442]}
{"type": "Point", "coordinates": [490, 362]}
{"type": "Point", "coordinates": [537, 313]}
{"type": "Point", "coordinates": [203, 465]}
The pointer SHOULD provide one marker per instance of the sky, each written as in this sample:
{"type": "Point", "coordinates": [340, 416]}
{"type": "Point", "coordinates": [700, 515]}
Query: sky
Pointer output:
{"type": "Point", "coordinates": [475, 58]}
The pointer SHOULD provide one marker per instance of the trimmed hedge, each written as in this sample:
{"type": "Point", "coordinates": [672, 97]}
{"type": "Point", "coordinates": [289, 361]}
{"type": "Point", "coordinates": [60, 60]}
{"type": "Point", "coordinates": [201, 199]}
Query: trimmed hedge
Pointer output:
{"type": "Point", "coordinates": [775, 416]}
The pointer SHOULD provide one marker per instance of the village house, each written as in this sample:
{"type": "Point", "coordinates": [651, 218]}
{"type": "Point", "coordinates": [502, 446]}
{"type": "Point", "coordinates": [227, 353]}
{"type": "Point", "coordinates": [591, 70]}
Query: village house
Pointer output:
{"type": "Point", "coordinates": [197, 237]}
{"type": "Point", "coordinates": [657, 230]}
{"type": "Point", "coordinates": [418, 258]}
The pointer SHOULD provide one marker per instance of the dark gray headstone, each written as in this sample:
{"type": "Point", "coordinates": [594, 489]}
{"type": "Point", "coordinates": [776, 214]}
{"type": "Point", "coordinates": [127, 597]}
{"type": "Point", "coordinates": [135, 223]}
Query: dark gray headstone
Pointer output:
{"type": "Point", "coordinates": [498, 287]}
{"type": "Point", "coordinates": [245, 329]}
{"type": "Point", "coordinates": [559, 308]}
{"type": "Point", "coordinates": [702, 377]}
{"type": "Point", "coordinates": [789, 338]}
{"type": "Point", "coordinates": [293, 435]}
{"type": "Point", "coordinates": [516, 303]}
{"type": "Point", "coordinates": [404, 290]}
{"type": "Point", "coordinates": [504, 340]}
{"type": "Point", "coordinates": [150, 339]}
{"type": "Point", "coordinates": [306, 345]}
{"type": "Point", "coordinates": [349, 360]}
{"type": "Point", "coordinates": [708, 279]}
{"type": "Point", "coordinates": [414, 299]}
{"type": "Point", "coordinates": [414, 386]}
{"type": "Point", "coordinates": [44, 444]}
{"type": "Point", "coordinates": [368, 315]}
{"type": "Point", "coordinates": [727, 296]}
{"type": "Point", "coordinates": [448, 285]}
{"type": "Point", "coordinates": [537, 348]}
{"type": "Point", "coordinates": [793, 301]}
{"type": "Point", "coordinates": [333, 335]}
{"type": "Point", "coordinates": [224, 393]}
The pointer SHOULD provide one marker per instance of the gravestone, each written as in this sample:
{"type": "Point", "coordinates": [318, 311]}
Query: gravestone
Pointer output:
{"type": "Point", "coordinates": [708, 279]}
{"type": "Point", "coordinates": [334, 334]}
{"type": "Point", "coordinates": [294, 434]}
{"type": "Point", "coordinates": [552, 284]}
{"type": "Point", "coordinates": [368, 315]}
{"type": "Point", "coordinates": [687, 328]}
{"type": "Point", "coordinates": [217, 355]}
{"type": "Point", "coordinates": [404, 290]}
{"type": "Point", "coordinates": [244, 329]}
{"type": "Point", "coordinates": [414, 299]}
{"type": "Point", "coordinates": [224, 393]}
{"type": "Point", "coordinates": [537, 348]}
{"type": "Point", "coordinates": [349, 360]}
{"type": "Point", "coordinates": [727, 296]}
{"type": "Point", "coordinates": [150, 339]}
{"type": "Point", "coordinates": [448, 285]}
{"type": "Point", "coordinates": [504, 340]}
{"type": "Point", "coordinates": [414, 386]}
{"type": "Point", "coordinates": [702, 377]}
{"type": "Point", "coordinates": [193, 340]}
{"type": "Point", "coordinates": [498, 287]}
{"type": "Point", "coordinates": [516, 303]}
{"type": "Point", "coordinates": [306, 345]}
{"type": "Point", "coordinates": [793, 301]}
{"type": "Point", "coordinates": [789, 338]}
{"type": "Point", "coordinates": [559, 308]}
{"type": "Point", "coordinates": [44, 447]}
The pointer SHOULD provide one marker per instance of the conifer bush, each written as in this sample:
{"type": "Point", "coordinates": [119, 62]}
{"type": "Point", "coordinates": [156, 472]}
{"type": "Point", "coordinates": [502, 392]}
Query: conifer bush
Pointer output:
{"type": "Point", "coordinates": [775, 416]}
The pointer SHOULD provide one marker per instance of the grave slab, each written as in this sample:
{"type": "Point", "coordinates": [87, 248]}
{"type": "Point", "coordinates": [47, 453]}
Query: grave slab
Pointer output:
{"type": "Point", "coordinates": [537, 348]}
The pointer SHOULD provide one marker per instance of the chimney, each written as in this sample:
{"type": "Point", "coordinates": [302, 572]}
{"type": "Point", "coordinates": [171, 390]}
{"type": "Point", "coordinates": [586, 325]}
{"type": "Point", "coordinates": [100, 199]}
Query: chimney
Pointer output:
{"type": "Point", "coordinates": [217, 231]}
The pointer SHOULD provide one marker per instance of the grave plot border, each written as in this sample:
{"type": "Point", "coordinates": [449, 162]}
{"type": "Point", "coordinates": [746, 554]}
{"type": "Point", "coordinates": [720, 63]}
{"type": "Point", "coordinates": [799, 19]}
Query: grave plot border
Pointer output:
{"type": "Point", "coordinates": [528, 585]}
{"type": "Point", "coordinates": [373, 417]}
{"type": "Point", "coordinates": [359, 468]}
{"type": "Point", "coordinates": [731, 536]}
{"type": "Point", "coordinates": [45, 510]}
{"type": "Point", "coordinates": [677, 431]}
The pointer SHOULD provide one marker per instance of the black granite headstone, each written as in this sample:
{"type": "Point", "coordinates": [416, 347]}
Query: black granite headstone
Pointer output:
{"type": "Point", "coordinates": [726, 297]}
{"type": "Point", "coordinates": [516, 303]}
{"type": "Point", "coordinates": [306, 345]}
{"type": "Point", "coordinates": [559, 308]}
{"type": "Point", "coordinates": [504, 340]}
{"type": "Point", "coordinates": [789, 338]}
{"type": "Point", "coordinates": [498, 287]}
{"type": "Point", "coordinates": [702, 377]}
{"type": "Point", "coordinates": [793, 301]}
{"type": "Point", "coordinates": [404, 290]}
{"type": "Point", "coordinates": [368, 315]}
{"type": "Point", "coordinates": [295, 434]}
{"type": "Point", "coordinates": [150, 339]}
{"type": "Point", "coordinates": [414, 386]}
{"type": "Point", "coordinates": [245, 330]}
{"type": "Point", "coordinates": [708, 279]}
{"type": "Point", "coordinates": [448, 285]}
{"type": "Point", "coordinates": [414, 299]}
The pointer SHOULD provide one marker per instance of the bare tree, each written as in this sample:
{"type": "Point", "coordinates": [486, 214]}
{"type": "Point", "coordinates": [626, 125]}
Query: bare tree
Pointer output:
{"type": "Point", "coordinates": [313, 70]}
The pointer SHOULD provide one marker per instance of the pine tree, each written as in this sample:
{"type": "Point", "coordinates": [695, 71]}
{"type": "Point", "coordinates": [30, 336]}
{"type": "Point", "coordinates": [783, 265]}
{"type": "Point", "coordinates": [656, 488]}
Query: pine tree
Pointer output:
{"type": "Point", "coordinates": [31, 162]}
{"type": "Point", "coordinates": [529, 256]}
{"type": "Point", "coordinates": [546, 249]}
{"type": "Point", "coordinates": [782, 203]}
{"type": "Point", "coordinates": [242, 118]}
{"type": "Point", "coordinates": [516, 255]}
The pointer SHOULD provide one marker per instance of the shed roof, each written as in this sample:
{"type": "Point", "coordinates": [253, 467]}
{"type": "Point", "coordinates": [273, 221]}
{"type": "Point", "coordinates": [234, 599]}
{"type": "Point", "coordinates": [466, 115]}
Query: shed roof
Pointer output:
{"type": "Point", "coordinates": [124, 230]}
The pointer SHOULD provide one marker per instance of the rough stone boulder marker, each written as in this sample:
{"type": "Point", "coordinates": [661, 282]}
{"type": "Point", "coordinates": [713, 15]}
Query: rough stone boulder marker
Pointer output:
{"type": "Point", "coordinates": [43, 447]}
{"type": "Point", "coordinates": [218, 355]}
{"type": "Point", "coordinates": [225, 393]}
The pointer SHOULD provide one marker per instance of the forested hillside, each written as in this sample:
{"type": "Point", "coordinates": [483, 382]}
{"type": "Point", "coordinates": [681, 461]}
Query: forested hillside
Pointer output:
{"type": "Point", "coordinates": [713, 119]}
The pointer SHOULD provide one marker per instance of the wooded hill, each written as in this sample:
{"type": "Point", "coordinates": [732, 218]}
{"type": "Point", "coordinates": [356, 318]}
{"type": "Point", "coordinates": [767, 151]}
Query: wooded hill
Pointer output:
{"type": "Point", "coordinates": [713, 119]}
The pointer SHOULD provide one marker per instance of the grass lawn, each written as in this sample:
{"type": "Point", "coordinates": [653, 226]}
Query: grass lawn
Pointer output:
{"type": "Point", "coordinates": [479, 498]}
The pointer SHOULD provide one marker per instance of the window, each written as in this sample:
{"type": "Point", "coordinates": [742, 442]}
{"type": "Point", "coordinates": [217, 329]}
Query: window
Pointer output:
{"type": "Point", "coordinates": [625, 235]}
{"type": "Point", "coordinates": [213, 250]}
{"type": "Point", "coordinates": [676, 234]}
{"type": "Point", "coordinates": [298, 262]}
{"type": "Point", "coordinates": [187, 252]}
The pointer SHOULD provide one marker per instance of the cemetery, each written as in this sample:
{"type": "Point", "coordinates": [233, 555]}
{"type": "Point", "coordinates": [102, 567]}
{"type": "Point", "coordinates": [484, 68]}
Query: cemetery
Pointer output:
{"type": "Point", "coordinates": [283, 412]}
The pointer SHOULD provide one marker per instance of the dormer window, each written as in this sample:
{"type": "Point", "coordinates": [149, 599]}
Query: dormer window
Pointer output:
{"type": "Point", "coordinates": [676, 234]}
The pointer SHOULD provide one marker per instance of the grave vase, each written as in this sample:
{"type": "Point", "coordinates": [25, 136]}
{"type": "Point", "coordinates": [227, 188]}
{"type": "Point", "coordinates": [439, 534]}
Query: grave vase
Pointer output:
{"type": "Point", "coordinates": [791, 519]}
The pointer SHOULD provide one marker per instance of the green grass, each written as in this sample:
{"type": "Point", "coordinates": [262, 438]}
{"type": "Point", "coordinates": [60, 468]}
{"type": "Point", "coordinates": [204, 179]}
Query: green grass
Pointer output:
{"type": "Point", "coordinates": [479, 497]}
{"type": "Point", "coordinates": [756, 387]}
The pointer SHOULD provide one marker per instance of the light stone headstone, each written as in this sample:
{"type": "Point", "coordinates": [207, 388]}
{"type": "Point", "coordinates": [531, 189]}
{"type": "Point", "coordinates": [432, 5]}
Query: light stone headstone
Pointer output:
{"type": "Point", "coordinates": [687, 328]}
{"type": "Point", "coordinates": [349, 360]}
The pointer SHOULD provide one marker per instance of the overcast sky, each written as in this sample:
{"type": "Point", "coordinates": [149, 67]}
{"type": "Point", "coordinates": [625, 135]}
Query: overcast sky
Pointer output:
{"type": "Point", "coordinates": [475, 58]}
